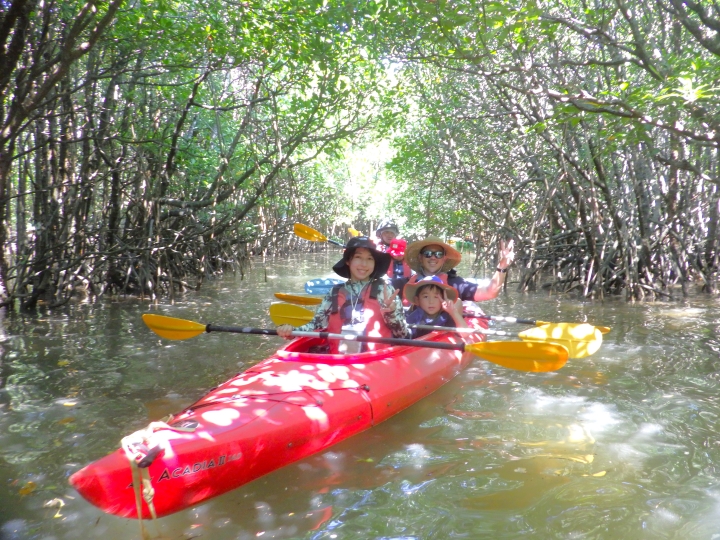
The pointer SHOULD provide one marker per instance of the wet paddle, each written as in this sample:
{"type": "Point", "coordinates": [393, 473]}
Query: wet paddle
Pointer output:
{"type": "Point", "coordinates": [282, 313]}
{"type": "Point", "coordinates": [581, 339]}
{"type": "Point", "coordinates": [535, 357]}
{"type": "Point", "coordinates": [305, 232]}
{"type": "Point", "coordinates": [603, 329]}
{"type": "Point", "coordinates": [302, 300]}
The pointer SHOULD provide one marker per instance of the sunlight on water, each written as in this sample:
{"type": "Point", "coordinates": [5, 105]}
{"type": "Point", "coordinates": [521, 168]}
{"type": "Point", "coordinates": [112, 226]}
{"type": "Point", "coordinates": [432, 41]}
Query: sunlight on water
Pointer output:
{"type": "Point", "coordinates": [621, 444]}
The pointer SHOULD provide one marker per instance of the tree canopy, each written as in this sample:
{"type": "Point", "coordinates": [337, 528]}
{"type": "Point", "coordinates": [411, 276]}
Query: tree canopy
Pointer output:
{"type": "Point", "coordinates": [147, 145]}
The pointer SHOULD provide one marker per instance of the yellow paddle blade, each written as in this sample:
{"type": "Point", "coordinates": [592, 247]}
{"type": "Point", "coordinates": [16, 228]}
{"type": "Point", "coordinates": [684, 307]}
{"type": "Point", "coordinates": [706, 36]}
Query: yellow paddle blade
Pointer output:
{"type": "Point", "coordinates": [536, 357]}
{"type": "Point", "coordinates": [354, 232]}
{"type": "Point", "coordinates": [581, 340]}
{"type": "Point", "coordinates": [603, 329]}
{"type": "Point", "coordinates": [303, 231]}
{"type": "Point", "coordinates": [300, 299]}
{"type": "Point", "coordinates": [172, 328]}
{"type": "Point", "coordinates": [288, 314]}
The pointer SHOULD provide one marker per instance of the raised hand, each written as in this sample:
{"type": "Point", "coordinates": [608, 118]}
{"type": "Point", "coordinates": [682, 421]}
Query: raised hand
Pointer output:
{"type": "Point", "coordinates": [388, 303]}
{"type": "Point", "coordinates": [506, 253]}
{"type": "Point", "coordinates": [451, 307]}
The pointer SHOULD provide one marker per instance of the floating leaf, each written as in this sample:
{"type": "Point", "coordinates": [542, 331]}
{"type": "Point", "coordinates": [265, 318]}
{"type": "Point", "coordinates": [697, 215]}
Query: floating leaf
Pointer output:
{"type": "Point", "coordinates": [28, 488]}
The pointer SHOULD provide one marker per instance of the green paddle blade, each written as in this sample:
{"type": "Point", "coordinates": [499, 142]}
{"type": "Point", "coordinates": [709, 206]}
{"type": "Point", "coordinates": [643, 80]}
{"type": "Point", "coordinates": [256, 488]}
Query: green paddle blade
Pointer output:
{"type": "Point", "coordinates": [305, 232]}
{"type": "Point", "coordinates": [581, 340]}
{"type": "Point", "coordinates": [289, 314]}
{"type": "Point", "coordinates": [522, 356]}
{"type": "Point", "coordinates": [300, 299]}
{"type": "Point", "coordinates": [172, 328]}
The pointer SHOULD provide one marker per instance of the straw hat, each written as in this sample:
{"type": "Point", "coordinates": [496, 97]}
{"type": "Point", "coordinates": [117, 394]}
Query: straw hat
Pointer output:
{"type": "Point", "coordinates": [413, 251]}
{"type": "Point", "coordinates": [382, 260]}
{"type": "Point", "coordinates": [411, 289]}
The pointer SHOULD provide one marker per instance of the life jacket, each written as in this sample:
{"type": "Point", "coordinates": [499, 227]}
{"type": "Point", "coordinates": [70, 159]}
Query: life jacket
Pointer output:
{"type": "Point", "coordinates": [442, 318]}
{"type": "Point", "coordinates": [368, 304]}
{"type": "Point", "coordinates": [417, 277]}
{"type": "Point", "coordinates": [399, 269]}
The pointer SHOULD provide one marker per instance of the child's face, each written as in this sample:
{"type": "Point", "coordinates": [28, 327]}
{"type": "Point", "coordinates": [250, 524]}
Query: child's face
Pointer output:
{"type": "Point", "coordinates": [430, 300]}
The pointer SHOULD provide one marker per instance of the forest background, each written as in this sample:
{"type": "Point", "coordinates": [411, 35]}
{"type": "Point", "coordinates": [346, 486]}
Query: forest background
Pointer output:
{"type": "Point", "coordinates": [148, 145]}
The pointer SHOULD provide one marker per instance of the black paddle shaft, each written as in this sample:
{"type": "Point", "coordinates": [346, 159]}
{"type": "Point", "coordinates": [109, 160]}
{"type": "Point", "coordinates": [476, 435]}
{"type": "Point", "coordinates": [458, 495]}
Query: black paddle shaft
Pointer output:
{"type": "Point", "coordinates": [506, 319]}
{"type": "Point", "coordinates": [328, 335]}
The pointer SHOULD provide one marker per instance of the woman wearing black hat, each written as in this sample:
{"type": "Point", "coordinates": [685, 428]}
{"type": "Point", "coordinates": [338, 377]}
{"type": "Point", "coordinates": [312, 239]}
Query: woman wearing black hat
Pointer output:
{"type": "Point", "coordinates": [364, 305]}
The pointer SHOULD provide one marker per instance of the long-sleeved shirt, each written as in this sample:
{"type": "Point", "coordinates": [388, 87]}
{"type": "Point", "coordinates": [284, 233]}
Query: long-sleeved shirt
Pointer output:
{"type": "Point", "coordinates": [394, 319]}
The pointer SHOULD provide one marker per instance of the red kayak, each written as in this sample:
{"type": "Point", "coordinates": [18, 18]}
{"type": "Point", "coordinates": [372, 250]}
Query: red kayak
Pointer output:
{"type": "Point", "coordinates": [279, 411]}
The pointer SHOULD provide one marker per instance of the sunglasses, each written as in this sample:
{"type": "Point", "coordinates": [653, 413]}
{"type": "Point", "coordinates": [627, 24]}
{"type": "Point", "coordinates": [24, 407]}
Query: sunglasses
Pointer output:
{"type": "Point", "coordinates": [429, 253]}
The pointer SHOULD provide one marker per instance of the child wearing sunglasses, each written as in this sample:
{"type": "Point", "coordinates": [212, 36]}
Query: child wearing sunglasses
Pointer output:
{"type": "Point", "coordinates": [433, 257]}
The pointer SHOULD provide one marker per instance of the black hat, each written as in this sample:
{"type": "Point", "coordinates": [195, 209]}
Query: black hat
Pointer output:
{"type": "Point", "coordinates": [382, 260]}
{"type": "Point", "coordinates": [387, 224]}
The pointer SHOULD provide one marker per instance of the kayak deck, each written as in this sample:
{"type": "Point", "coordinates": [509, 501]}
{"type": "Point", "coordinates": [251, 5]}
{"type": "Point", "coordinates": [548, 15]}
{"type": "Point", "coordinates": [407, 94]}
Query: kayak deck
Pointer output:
{"type": "Point", "coordinates": [283, 409]}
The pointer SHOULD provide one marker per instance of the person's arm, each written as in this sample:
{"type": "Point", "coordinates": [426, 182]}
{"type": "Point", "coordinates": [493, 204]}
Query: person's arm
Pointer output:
{"type": "Point", "coordinates": [393, 312]}
{"type": "Point", "coordinates": [505, 259]}
{"type": "Point", "coordinates": [319, 322]}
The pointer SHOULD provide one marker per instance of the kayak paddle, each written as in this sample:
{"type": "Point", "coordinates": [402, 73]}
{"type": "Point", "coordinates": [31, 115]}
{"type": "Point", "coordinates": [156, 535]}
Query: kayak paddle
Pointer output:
{"type": "Point", "coordinates": [535, 357]}
{"type": "Point", "coordinates": [313, 301]}
{"type": "Point", "coordinates": [603, 329]}
{"type": "Point", "coordinates": [354, 232]}
{"type": "Point", "coordinates": [303, 300]}
{"type": "Point", "coordinates": [281, 313]}
{"type": "Point", "coordinates": [580, 339]}
{"type": "Point", "coordinates": [305, 232]}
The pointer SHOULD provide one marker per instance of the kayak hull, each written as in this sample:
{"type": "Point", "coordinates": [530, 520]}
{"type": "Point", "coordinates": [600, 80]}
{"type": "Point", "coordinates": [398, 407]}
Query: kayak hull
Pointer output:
{"type": "Point", "coordinates": [281, 410]}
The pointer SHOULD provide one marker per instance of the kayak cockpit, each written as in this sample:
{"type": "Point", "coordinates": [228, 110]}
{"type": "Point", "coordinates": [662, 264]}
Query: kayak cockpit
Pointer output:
{"type": "Point", "coordinates": [312, 349]}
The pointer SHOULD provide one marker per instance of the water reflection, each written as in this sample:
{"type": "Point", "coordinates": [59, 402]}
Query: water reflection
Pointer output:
{"type": "Point", "coordinates": [621, 444]}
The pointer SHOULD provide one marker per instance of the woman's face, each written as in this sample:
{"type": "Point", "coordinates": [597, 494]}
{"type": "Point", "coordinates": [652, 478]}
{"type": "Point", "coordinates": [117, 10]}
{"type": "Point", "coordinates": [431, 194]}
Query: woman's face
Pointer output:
{"type": "Point", "coordinates": [362, 264]}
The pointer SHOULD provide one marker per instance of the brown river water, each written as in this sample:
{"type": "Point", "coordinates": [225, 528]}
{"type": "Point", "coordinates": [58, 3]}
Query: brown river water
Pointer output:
{"type": "Point", "coordinates": [623, 444]}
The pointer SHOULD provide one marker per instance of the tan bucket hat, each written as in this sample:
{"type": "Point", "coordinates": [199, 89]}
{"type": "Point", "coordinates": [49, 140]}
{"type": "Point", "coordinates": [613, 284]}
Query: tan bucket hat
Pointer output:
{"type": "Point", "coordinates": [411, 289]}
{"type": "Point", "coordinates": [413, 251]}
